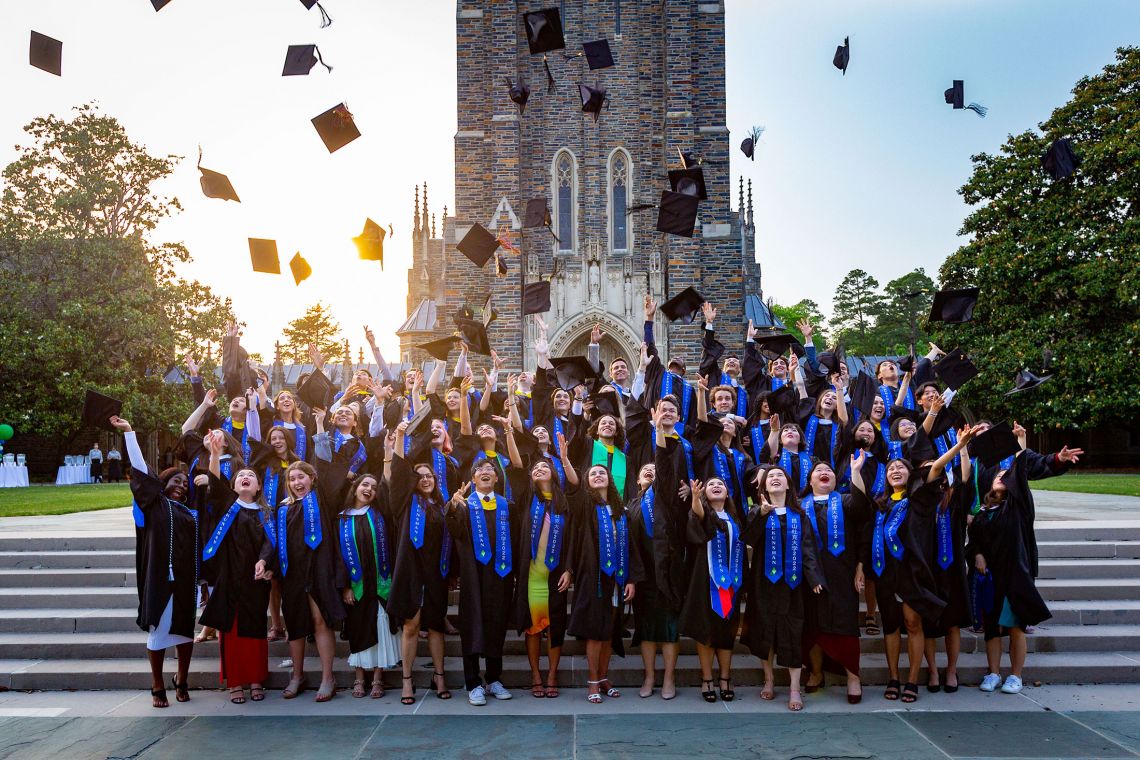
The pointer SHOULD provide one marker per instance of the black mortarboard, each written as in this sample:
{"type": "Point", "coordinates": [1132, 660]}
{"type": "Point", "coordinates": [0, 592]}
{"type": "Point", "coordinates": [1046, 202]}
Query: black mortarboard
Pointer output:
{"type": "Point", "coordinates": [300, 268]}
{"type": "Point", "coordinates": [593, 99]}
{"type": "Point", "coordinates": [519, 93]}
{"type": "Point", "coordinates": [598, 54]}
{"type": "Point", "coordinates": [1026, 380]}
{"type": "Point", "coordinates": [748, 147]}
{"type": "Point", "coordinates": [263, 254]}
{"type": "Point", "coordinates": [955, 369]}
{"type": "Point", "coordinates": [864, 390]}
{"type": "Point", "coordinates": [831, 360]}
{"type": "Point", "coordinates": [842, 56]}
{"type": "Point", "coordinates": [325, 19]}
{"type": "Point", "coordinates": [544, 31]}
{"type": "Point", "coordinates": [782, 401]}
{"type": "Point", "coordinates": [423, 413]}
{"type": "Point", "coordinates": [336, 127]}
{"type": "Point", "coordinates": [689, 181]}
{"type": "Point", "coordinates": [956, 96]}
{"type": "Point", "coordinates": [1059, 160]}
{"type": "Point", "coordinates": [99, 409]}
{"type": "Point", "coordinates": [606, 403]}
{"type": "Point", "coordinates": [317, 391]}
{"type": "Point", "coordinates": [677, 214]}
{"type": "Point", "coordinates": [954, 306]}
{"type": "Point", "coordinates": [478, 245]}
{"type": "Point", "coordinates": [46, 53]}
{"type": "Point", "coordinates": [439, 349]}
{"type": "Point", "coordinates": [573, 371]}
{"type": "Point", "coordinates": [216, 184]}
{"type": "Point", "coordinates": [159, 4]}
{"type": "Point", "coordinates": [536, 297]}
{"type": "Point", "coordinates": [906, 363]}
{"type": "Point", "coordinates": [537, 213]}
{"type": "Point", "coordinates": [776, 345]}
{"type": "Point", "coordinates": [474, 335]}
{"type": "Point", "coordinates": [370, 242]}
{"type": "Point", "coordinates": [995, 444]}
{"type": "Point", "coordinates": [684, 306]}
{"type": "Point", "coordinates": [300, 59]}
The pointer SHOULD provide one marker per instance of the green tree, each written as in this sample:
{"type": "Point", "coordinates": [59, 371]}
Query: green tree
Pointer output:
{"type": "Point", "coordinates": [315, 326]}
{"type": "Point", "coordinates": [903, 298]}
{"type": "Point", "coordinates": [805, 309]}
{"type": "Point", "coordinates": [1058, 262]}
{"type": "Point", "coordinates": [857, 301]}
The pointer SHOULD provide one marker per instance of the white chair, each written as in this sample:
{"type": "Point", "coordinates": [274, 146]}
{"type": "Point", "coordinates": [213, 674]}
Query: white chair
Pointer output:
{"type": "Point", "coordinates": [21, 460]}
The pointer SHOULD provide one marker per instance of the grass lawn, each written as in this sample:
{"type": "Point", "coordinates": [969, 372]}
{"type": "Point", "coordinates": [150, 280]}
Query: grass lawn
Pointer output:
{"type": "Point", "coordinates": [1123, 484]}
{"type": "Point", "coordinates": [61, 500]}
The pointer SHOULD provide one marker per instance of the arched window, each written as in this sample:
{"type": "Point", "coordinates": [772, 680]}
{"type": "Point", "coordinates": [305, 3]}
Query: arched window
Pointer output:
{"type": "Point", "coordinates": [619, 187]}
{"type": "Point", "coordinates": [565, 182]}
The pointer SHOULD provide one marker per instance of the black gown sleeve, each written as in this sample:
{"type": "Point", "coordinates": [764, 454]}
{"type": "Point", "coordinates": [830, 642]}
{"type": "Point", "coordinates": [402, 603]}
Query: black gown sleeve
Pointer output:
{"type": "Point", "coordinates": [711, 352]}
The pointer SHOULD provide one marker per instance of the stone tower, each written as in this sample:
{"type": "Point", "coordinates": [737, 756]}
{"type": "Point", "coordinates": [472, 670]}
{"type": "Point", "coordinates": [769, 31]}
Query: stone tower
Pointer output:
{"type": "Point", "coordinates": [665, 93]}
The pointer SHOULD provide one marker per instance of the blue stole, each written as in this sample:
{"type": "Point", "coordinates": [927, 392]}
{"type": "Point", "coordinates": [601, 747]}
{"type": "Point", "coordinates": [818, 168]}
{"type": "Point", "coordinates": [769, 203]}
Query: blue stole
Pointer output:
{"type": "Point", "coordinates": [880, 484]}
{"type": "Point", "coordinates": [271, 482]}
{"type": "Point", "coordinates": [215, 542]}
{"type": "Point", "coordinates": [803, 458]}
{"type": "Point", "coordinates": [137, 513]}
{"type": "Point", "coordinates": [943, 444]}
{"type": "Point", "coordinates": [778, 383]}
{"type": "Point", "coordinates": [835, 529]}
{"type": "Point", "coordinates": [269, 526]}
{"type": "Point", "coordinates": [886, 529]}
{"type": "Point", "coordinates": [481, 542]}
{"type": "Point", "coordinates": [667, 381]}
{"type": "Point", "coordinates": [894, 448]}
{"type": "Point", "coordinates": [720, 463]}
{"type": "Point", "coordinates": [688, 449]}
{"type": "Point", "coordinates": [339, 439]}
{"type": "Point", "coordinates": [283, 539]}
{"type": "Point", "coordinates": [727, 572]}
{"type": "Point", "coordinates": [300, 438]}
{"type": "Point", "coordinates": [621, 391]}
{"type": "Point", "coordinates": [741, 394]}
{"type": "Point", "coordinates": [228, 426]}
{"type": "Point", "coordinates": [313, 534]}
{"type": "Point", "coordinates": [759, 436]}
{"type": "Point", "coordinates": [887, 394]}
{"type": "Point", "coordinates": [776, 563]}
{"type": "Point", "coordinates": [559, 470]}
{"type": "Point", "coordinates": [945, 538]}
{"type": "Point", "coordinates": [225, 467]}
{"type": "Point", "coordinates": [502, 469]}
{"type": "Point", "coordinates": [554, 540]}
{"type": "Point", "coordinates": [613, 554]}
{"type": "Point", "coordinates": [416, 522]}
{"type": "Point", "coordinates": [556, 428]}
{"type": "Point", "coordinates": [647, 511]}
{"type": "Point", "coordinates": [439, 462]}
{"type": "Point", "coordinates": [813, 428]}
{"type": "Point", "coordinates": [981, 596]}
{"type": "Point", "coordinates": [528, 421]}
{"type": "Point", "coordinates": [1006, 463]}
{"type": "Point", "coordinates": [350, 553]}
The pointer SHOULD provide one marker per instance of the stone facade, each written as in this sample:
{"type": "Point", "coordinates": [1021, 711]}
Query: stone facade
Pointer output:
{"type": "Point", "coordinates": [665, 93]}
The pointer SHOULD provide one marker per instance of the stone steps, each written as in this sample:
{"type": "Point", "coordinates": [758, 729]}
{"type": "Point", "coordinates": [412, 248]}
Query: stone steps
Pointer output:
{"type": "Point", "coordinates": [1089, 549]}
{"type": "Point", "coordinates": [103, 558]}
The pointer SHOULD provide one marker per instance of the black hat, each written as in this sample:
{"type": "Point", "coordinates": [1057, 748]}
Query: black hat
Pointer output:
{"type": "Point", "coordinates": [325, 20]}
{"type": "Point", "coordinates": [544, 31]}
{"type": "Point", "coordinates": [593, 99]}
{"type": "Point", "coordinates": [598, 54]}
{"type": "Point", "coordinates": [263, 254]}
{"type": "Point", "coordinates": [159, 4]}
{"type": "Point", "coordinates": [300, 60]}
{"type": "Point", "coordinates": [423, 413]}
{"type": "Point", "coordinates": [439, 349]}
{"type": "Point", "coordinates": [955, 369]}
{"type": "Point", "coordinates": [864, 390]}
{"type": "Point", "coordinates": [474, 333]}
{"type": "Point", "coordinates": [317, 391]}
{"type": "Point", "coordinates": [956, 96]}
{"type": "Point", "coordinates": [995, 444]}
{"type": "Point", "coordinates": [336, 127]}
{"type": "Point", "coordinates": [906, 363]}
{"type": "Point", "coordinates": [478, 245]}
{"type": "Point", "coordinates": [215, 184]}
{"type": "Point", "coordinates": [370, 242]}
{"type": "Point", "coordinates": [300, 268]}
{"type": "Point", "coordinates": [677, 214]}
{"type": "Point", "coordinates": [842, 56]}
{"type": "Point", "coordinates": [99, 409]}
{"type": "Point", "coordinates": [1059, 160]}
{"type": "Point", "coordinates": [689, 181]}
{"type": "Point", "coordinates": [536, 297]}
{"type": "Point", "coordinates": [519, 93]}
{"type": "Point", "coordinates": [46, 53]}
{"type": "Point", "coordinates": [783, 401]}
{"type": "Point", "coordinates": [954, 306]}
{"type": "Point", "coordinates": [573, 371]}
{"type": "Point", "coordinates": [684, 306]}
{"type": "Point", "coordinates": [776, 345]}
{"type": "Point", "coordinates": [748, 147]}
{"type": "Point", "coordinates": [606, 403]}
{"type": "Point", "coordinates": [1026, 380]}
{"type": "Point", "coordinates": [537, 213]}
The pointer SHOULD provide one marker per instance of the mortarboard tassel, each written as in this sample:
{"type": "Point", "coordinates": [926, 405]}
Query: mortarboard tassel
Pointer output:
{"type": "Point", "coordinates": [391, 234]}
{"type": "Point", "coordinates": [549, 76]}
{"type": "Point", "coordinates": [322, 60]}
{"type": "Point", "coordinates": [639, 207]}
{"type": "Point", "coordinates": [979, 109]}
{"type": "Point", "coordinates": [326, 19]}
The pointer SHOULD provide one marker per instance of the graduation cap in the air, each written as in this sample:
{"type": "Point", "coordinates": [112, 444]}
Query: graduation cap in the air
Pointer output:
{"type": "Point", "coordinates": [995, 444]}
{"type": "Point", "coordinates": [300, 60]}
{"type": "Point", "coordinates": [99, 409]}
{"type": "Point", "coordinates": [518, 92]}
{"type": "Point", "coordinates": [832, 360]}
{"type": "Point", "coordinates": [536, 297]}
{"type": "Point", "coordinates": [317, 391]}
{"type": "Point", "coordinates": [684, 306]}
{"type": "Point", "coordinates": [783, 401]}
{"type": "Point", "coordinates": [956, 97]}
{"type": "Point", "coordinates": [489, 313]}
{"type": "Point", "coordinates": [370, 242]}
{"type": "Point", "coordinates": [263, 254]}
{"type": "Point", "coordinates": [439, 349]}
{"type": "Point", "coordinates": [689, 181]}
{"type": "Point", "coordinates": [1026, 380]}
{"type": "Point", "coordinates": [906, 363]}
{"type": "Point", "coordinates": [538, 215]}
{"type": "Point", "coordinates": [955, 369]}
{"type": "Point", "coordinates": [572, 371]}
{"type": "Point", "coordinates": [864, 390]}
{"type": "Point", "coordinates": [778, 344]}
{"type": "Point", "coordinates": [216, 184]}
{"type": "Point", "coordinates": [677, 213]}
{"type": "Point", "coordinates": [421, 414]}
{"type": "Point", "coordinates": [1060, 160]}
{"type": "Point", "coordinates": [842, 56]}
{"type": "Point", "coordinates": [478, 245]}
{"type": "Point", "coordinates": [606, 403]}
{"type": "Point", "coordinates": [593, 99]}
{"type": "Point", "coordinates": [300, 268]}
{"type": "Point", "coordinates": [748, 147]}
{"type": "Point", "coordinates": [46, 53]}
{"type": "Point", "coordinates": [326, 20]}
{"type": "Point", "coordinates": [954, 306]}
{"type": "Point", "coordinates": [474, 334]}
{"type": "Point", "coordinates": [336, 127]}
{"type": "Point", "coordinates": [159, 4]}
{"type": "Point", "coordinates": [543, 35]}
{"type": "Point", "coordinates": [598, 54]}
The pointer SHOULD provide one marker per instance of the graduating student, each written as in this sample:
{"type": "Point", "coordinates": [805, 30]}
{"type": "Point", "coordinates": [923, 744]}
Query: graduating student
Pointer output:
{"type": "Point", "coordinates": [270, 460]}
{"type": "Point", "coordinates": [605, 571]}
{"type": "Point", "coordinates": [715, 449]}
{"type": "Point", "coordinates": [891, 391]}
{"type": "Point", "coordinates": [673, 464]}
{"type": "Point", "coordinates": [167, 561]}
{"type": "Point", "coordinates": [343, 438]}
{"type": "Point", "coordinates": [727, 379]}
{"type": "Point", "coordinates": [240, 537]}
{"type": "Point", "coordinates": [784, 570]}
{"type": "Point", "coordinates": [661, 381]}
{"type": "Point", "coordinates": [482, 447]}
{"type": "Point", "coordinates": [787, 448]}
{"type": "Point", "coordinates": [604, 443]}
{"type": "Point", "coordinates": [620, 380]}
{"type": "Point", "coordinates": [285, 413]}
{"type": "Point", "coordinates": [824, 426]}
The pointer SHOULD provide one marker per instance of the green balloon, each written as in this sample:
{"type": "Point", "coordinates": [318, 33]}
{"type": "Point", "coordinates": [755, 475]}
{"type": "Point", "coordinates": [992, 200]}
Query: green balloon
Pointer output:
{"type": "Point", "coordinates": [6, 432]}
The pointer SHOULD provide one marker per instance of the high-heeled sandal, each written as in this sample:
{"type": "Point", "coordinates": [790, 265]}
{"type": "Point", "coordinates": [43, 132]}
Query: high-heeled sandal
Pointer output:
{"type": "Point", "coordinates": [708, 694]}
{"type": "Point", "coordinates": [443, 693]}
{"type": "Point", "coordinates": [611, 690]}
{"type": "Point", "coordinates": [726, 694]}
{"type": "Point", "coordinates": [596, 697]}
{"type": "Point", "coordinates": [326, 692]}
{"type": "Point", "coordinates": [795, 701]}
{"type": "Point", "coordinates": [295, 687]}
{"type": "Point", "coordinates": [412, 699]}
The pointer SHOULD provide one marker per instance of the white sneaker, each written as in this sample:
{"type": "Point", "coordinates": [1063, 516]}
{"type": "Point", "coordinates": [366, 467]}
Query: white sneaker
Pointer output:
{"type": "Point", "coordinates": [1012, 685]}
{"type": "Point", "coordinates": [990, 682]}
{"type": "Point", "coordinates": [498, 691]}
{"type": "Point", "coordinates": [477, 696]}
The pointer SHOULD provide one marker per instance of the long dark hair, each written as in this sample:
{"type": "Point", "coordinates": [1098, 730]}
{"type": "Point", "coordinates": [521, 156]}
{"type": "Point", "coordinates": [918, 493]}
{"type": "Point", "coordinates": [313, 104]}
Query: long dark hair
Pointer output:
{"type": "Point", "coordinates": [557, 496]}
{"type": "Point", "coordinates": [350, 496]}
{"type": "Point", "coordinates": [436, 495]}
{"type": "Point", "coordinates": [619, 431]}
{"type": "Point", "coordinates": [613, 498]}
{"type": "Point", "coordinates": [274, 461]}
{"type": "Point", "coordinates": [884, 501]}
{"type": "Point", "coordinates": [729, 504]}
{"type": "Point", "coordinates": [791, 501]}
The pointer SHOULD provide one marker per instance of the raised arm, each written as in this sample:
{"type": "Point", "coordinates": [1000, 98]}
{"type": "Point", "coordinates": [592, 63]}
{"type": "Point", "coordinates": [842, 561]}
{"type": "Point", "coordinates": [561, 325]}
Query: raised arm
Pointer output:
{"type": "Point", "coordinates": [436, 377]}
{"type": "Point", "coordinates": [932, 415]}
{"type": "Point", "coordinates": [134, 453]}
{"type": "Point", "coordinates": [465, 408]}
{"type": "Point", "coordinates": [322, 446]}
{"type": "Point", "coordinates": [857, 462]}
{"type": "Point", "coordinates": [940, 464]}
{"type": "Point", "coordinates": [594, 349]}
{"type": "Point", "coordinates": [195, 419]}
{"type": "Point", "coordinates": [567, 461]}
{"type": "Point", "coordinates": [488, 387]}
{"type": "Point", "coordinates": [840, 404]}
{"type": "Point", "coordinates": [702, 398]}
{"type": "Point", "coordinates": [904, 386]}
{"type": "Point", "coordinates": [385, 370]}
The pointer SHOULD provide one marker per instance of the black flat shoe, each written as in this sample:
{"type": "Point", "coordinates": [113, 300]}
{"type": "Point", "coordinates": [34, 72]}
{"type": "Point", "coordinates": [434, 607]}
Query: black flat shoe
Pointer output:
{"type": "Point", "coordinates": [892, 692]}
{"type": "Point", "coordinates": [910, 693]}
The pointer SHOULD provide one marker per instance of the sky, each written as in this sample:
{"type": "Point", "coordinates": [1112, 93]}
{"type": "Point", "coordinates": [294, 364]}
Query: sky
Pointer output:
{"type": "Point", "coordinates": [855, 171]}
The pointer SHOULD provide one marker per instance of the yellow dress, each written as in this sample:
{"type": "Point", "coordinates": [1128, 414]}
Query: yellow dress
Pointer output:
{"type": "Point", "coordinates": [538, 581]}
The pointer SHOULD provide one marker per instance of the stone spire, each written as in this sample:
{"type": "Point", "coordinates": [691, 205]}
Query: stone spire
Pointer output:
{"type": "Point", "coordinates": [416, 215]}
{"type": "Point", "coordinates": [424, 223]}
{"type": "Point", "coordinates": [750, 223]}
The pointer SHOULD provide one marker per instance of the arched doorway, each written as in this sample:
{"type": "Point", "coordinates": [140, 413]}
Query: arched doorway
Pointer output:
{"type": "Point", "coordinates": [618, 339]}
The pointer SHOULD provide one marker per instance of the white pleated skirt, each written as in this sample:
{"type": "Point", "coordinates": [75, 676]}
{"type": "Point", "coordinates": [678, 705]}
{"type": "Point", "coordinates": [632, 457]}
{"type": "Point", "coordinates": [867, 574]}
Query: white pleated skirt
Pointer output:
{"type": "Point", "coordinates": [386, 652]}
{"type": "Point", "coordinates": [160, 637]}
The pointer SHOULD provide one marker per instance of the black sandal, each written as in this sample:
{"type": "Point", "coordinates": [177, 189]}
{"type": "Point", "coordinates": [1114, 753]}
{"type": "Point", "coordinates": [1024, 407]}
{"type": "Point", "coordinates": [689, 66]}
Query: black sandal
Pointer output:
{"type": "Point", "coordinates": [412, 699]}
{"type": "Point", "coordinates": [892, 692]}
{"type": "Point", "coordinates": [181, 693]}
{"type": "Point", "coordinates": [161, 694]}
{"type": "Point", "coordinates": [709, 695]}
{"type": "Point", "coordinates": [910, 693]}
{"type": "Point", "coordinates": [727, 694]}
{"type": "Point", "coordinates": [440, 694]}
{"type": "Point", "coordinates": [871, 626]}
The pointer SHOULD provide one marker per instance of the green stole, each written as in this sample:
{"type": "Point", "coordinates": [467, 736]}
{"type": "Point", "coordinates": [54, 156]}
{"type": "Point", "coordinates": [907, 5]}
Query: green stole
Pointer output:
{"type": "Point", "coordinates": [383, 585]}
{"type": "Point", "coordinates": [617, 468]}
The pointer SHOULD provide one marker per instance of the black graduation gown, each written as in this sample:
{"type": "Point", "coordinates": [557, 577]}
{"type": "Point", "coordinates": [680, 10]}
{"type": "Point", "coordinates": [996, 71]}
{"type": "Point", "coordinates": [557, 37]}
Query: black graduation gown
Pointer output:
{"type": "Point", "coordinates": [951, 583]}
{"type": "Point", "coordinates": [582, 455]}
{"type": "Point", "coordinates": [775, 614]}
{"type": "Point", "coordinates": [836, 609]}
{"type": "Point", "coordinates": [485, 597]}
{"type": "Point", "coordinates": [822, 449]}
{"type": "Point", "coordinates": [169, 541]}
{"type": "Point", "coordinates": [640, 447]}
{"type": "Point", "coordinates": [592, 612]}
{"type": "Point", "coordinates": [417, 583]}
{"type": "Point", "coordinates": [698, 621]}
{"type": "Point", "coordinates": [467, 450]}
{"type": "Point", "coordinates": [359, 628]}
{"type": "Point", "coordinates": [654, 619]}
{"type": "Point", "coordinates": [706, 440]}
{"type": "Point", "coordinates": [233, 565]}
{"type": "Point", "coordinates": [654, 374]}
{"type": "Point", "coordinates": [670, 526]}
{"type": "Point", "coordinates": [522, 560]}
{"type": "Point", "coordinates": [268, 418]}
